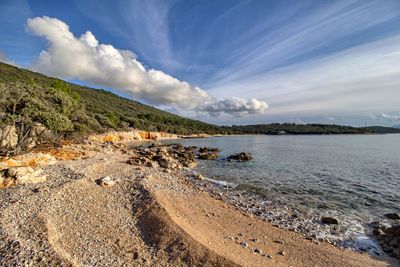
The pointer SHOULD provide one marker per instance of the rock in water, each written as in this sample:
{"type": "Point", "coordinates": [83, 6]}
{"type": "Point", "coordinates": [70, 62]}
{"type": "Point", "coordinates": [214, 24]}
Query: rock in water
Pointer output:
{"type": "Point", "coordinates": [106, 182]}
{"type": "Point", "coordinates": [242, 156]}
{"type": "Point", "coordinates": [392, 216]}
{"type": "Point", "coordinates": [329, 220]}
{"type": "Point", "coordinates": [389, 239]}
{"type": "Point", "coordinates": [208, 156]}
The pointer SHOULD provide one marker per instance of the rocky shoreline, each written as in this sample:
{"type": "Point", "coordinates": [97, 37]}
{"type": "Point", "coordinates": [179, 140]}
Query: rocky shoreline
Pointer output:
{"type": "Point", "coordinates": [151, 174]}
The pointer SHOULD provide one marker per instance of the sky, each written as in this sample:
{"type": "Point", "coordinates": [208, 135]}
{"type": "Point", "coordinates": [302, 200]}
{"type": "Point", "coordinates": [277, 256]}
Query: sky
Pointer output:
{"type": "Point", "coordinates": [224, 62]}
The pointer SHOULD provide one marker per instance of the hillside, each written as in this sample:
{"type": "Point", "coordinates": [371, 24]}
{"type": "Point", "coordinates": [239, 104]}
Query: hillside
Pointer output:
{"type": "Point", "coordinates": [383, 130]}
{"type": "Point", "coordinates": [97, 110]}
{"type": "Point", "coordinates": [292, 128]}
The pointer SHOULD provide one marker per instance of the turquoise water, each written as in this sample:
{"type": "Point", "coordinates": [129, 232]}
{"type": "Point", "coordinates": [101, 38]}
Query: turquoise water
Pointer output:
{"type": "Point", "coordinates": [355, 178]}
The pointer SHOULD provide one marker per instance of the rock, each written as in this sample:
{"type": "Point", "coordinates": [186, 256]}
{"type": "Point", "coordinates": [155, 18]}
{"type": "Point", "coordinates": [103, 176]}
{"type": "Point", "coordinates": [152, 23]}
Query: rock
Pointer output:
{"type": "Point", "coordinates": [106, 182]}
{"type": "Point", "coordinates": [256, 250]}
{"type": "Point", "coordinates": [255, 240]}
{"type": "Point", "coordinates": [392, 216]}
{"type": "Point", "coordinates": [24, 175]}
{"type": "Point", "coordinates": [329, 220]}
{"type": "Point", "coordinates": [198, 176]}
{"type": "Point", "coordinates": [243, 244]}
{"type": "Point", "coordinates": [242, 156]}
{"type": "Point", "coordinates": [208, 156]}
{"type": "Point", "coordinates": [269, 256]}
{"type": "Point", "coordinates": [389, 239]}
{"type": "Point", "coordinates": [8, 137]}
{"type": "Point", "coordinates": [209, 149]}
{"type": "Point", "coordinates": [282, 252]}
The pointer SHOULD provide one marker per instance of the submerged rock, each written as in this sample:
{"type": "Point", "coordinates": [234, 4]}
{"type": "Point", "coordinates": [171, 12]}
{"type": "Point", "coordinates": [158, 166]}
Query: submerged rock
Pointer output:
{"type": "Point", "coordinates": [329, 220]}
{"type": "Point", "coordinates": [208, 156]}
{"type": "Point", "coordinates": [393, 216]}
{"type": "Point", "coordinates": [242, 156]}
{"type": "Point", "coordinates": [208, 153]}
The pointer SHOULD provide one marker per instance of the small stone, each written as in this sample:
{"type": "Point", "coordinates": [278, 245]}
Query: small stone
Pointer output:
{"type": "Point", "coordinates": [199, 177]}
{"type": "Point", "coordinates": [243, 244]}
{"type": "Point", "coordinates": [106, 182]}
{"type": "Point", "coordinates": [255, 240]}
{"type": "Point", "coordinates": [268, 256]}
{"type": "Point", "coordinates": [282, 252]}
{"type": "Point", "coordinates": [256, 250]}
{"type": "Point", "coordinates": [231, 238]}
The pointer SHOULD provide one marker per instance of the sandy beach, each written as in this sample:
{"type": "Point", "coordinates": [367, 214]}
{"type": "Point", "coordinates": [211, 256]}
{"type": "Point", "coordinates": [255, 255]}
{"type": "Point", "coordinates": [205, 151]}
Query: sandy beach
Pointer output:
{"type": "Point", "coordinates": [150, 217]}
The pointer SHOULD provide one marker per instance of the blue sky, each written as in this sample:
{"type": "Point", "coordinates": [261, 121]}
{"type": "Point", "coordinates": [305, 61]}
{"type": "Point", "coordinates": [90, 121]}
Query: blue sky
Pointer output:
{"type": "Point", "coordinates": [225, 62]}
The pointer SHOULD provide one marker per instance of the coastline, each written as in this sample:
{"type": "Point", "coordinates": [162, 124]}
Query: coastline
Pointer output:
{"type": "Point", "coordinates": [150, 216]}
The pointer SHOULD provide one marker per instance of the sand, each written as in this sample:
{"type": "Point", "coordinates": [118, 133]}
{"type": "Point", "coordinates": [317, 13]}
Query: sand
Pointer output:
{"type": "Point", "coordinates": [148, 218]}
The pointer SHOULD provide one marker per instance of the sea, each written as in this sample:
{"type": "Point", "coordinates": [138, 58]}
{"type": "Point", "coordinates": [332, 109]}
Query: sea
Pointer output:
{"type": "Point", "coordinates": [297, 179]}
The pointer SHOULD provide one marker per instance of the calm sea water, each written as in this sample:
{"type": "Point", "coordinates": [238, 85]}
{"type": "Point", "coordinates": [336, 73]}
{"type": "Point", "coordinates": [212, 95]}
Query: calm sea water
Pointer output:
{"type": "Point", "coordinates": [355, 178]}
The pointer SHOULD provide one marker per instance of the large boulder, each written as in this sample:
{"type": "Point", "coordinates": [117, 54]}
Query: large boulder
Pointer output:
{"type": "Point", "coordinates": [242, 156]}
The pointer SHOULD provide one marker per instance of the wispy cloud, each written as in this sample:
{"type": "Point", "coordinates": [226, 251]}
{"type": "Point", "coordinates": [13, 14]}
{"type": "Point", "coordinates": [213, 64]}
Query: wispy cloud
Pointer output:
{"type": "Point", "coordinates": [86, 59]}
{"type": "Point", "coordinates": [264, 49]}
{"type": "Point", "coordinates": [388, 117]}
{"type": "Point", "coordinates": [362, 79]}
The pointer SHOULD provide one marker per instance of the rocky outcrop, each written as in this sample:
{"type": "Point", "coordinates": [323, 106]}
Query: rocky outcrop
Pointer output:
{"type": "Point", "coordinates": [242, 156]}
{"type": "Point", "coordinates": [120, 137]}
{"type": "Point", "coordinates": [389, 239]}
{"type": "Point", "coordinates": [21, 175]}
{"type": "Point", "coordinates": [24, 169]}
{"type": "Point", "coordinates": [172, 156]}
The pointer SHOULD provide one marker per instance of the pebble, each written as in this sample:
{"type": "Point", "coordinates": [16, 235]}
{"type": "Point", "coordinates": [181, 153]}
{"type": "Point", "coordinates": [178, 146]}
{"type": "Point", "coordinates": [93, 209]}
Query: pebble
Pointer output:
{"type": "Point", "coordinates": [243, 244]}
{"type": "Point", "coordinates": [282, 252]}
{"type": "Point", "coordinates": [106, 182]}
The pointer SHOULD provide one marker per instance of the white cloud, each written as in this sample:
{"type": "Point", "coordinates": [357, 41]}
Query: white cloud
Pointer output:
{"type": "Point", "coordinates": [86, 59]}
{"type": "Point", "coordinates": [388, 117]}
{"type": "Point", "coordinates": [235, 106]}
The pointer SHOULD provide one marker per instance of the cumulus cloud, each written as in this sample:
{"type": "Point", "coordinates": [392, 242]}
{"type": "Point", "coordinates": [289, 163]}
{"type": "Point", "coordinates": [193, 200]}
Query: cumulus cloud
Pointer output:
{"type": "Point", "coordinates": [235, 106]}
{"type": "Point", "coordinates": [86, 59]}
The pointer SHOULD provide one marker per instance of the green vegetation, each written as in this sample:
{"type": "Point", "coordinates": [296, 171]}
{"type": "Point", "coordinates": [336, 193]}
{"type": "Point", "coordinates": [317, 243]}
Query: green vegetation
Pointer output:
{"type": "Point", "coordinates": [72, 109]}
{"type": "Point", "coordinates": [291, 128]}
{"type": "Point", "coordinates": [383, 130]}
